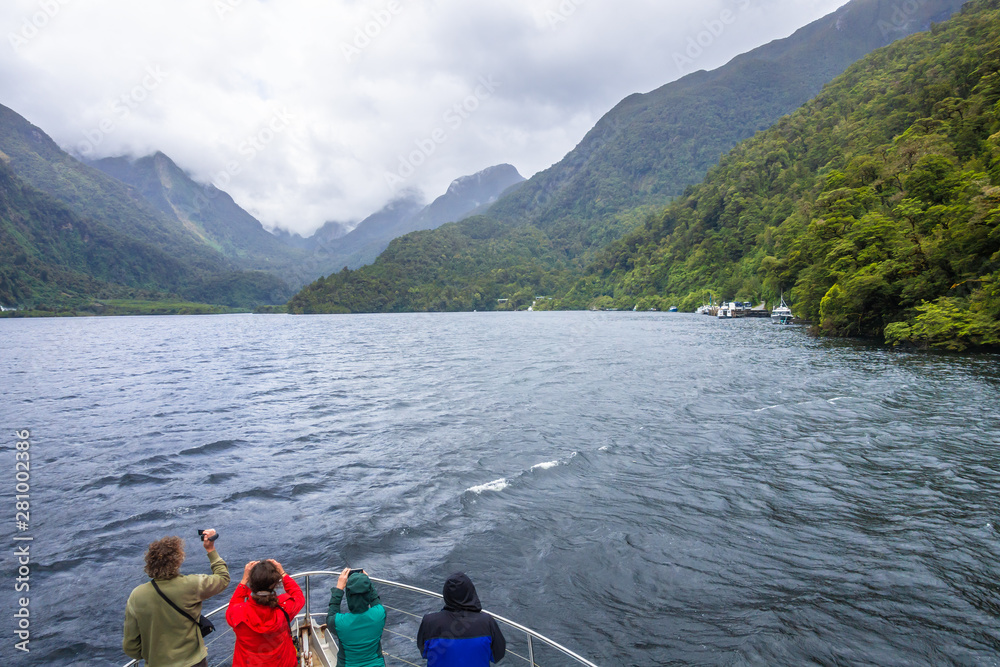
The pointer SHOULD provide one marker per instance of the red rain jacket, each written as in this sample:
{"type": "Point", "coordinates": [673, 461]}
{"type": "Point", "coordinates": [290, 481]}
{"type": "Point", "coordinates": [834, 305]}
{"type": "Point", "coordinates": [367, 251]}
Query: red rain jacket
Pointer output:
{"type": "Point", "coordinates": [263, 638]}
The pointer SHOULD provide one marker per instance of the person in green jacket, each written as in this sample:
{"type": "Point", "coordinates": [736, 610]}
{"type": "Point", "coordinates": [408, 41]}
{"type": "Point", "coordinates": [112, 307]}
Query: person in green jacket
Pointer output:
{"type": "Point", "coordinates": [155, 631]}
{"type": "Point", "coordinates": [358, 633]}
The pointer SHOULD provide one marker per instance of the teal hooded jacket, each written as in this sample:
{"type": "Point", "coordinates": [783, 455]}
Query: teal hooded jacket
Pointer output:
{"type": "Point", "coordinates": [358, 632]}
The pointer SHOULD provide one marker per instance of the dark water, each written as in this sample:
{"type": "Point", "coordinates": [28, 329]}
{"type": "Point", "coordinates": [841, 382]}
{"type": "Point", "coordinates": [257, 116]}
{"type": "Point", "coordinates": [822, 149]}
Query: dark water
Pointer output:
{"type": "Point", "coordinates": [648, 489]}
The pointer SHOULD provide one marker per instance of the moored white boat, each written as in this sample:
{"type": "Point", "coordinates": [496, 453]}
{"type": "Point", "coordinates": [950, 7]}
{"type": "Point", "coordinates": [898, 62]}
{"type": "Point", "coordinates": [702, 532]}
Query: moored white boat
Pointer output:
{"type": "Point", "coordinates": [782, 314]}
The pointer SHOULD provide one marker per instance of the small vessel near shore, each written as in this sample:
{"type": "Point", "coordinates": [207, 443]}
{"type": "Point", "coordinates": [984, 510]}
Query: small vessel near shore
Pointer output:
{"type": "Point", "coordinates": [734, 309]}
{"type": "Point", "coordinates": [707, 309]}
{"type": "Point", "coordinates": [405, 605]}
{"type": "Point", "coordinates": [782, 314]}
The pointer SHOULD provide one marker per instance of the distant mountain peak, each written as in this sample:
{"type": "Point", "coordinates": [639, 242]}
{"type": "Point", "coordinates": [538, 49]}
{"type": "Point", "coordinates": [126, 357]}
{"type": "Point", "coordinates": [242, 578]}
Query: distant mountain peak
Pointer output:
{"type": "Point", "coordinates": [340, 245]}
{"type": "Point", "coordinates": [203, 211]}
{"type": "Point", "coordinates": [405, 199]}
{"type": "Point", "coordinates": [498, 172]}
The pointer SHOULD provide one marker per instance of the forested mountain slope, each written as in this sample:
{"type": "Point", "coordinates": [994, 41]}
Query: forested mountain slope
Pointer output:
{"type": "Point", "coordinates": [537, 239]}
{"type": "Point", "coordinates": [875, 207]}
{"type": "Point", "coordinates": [124, 226]}
{"type": "Point", "coordinates": [205, 211]}
{"type": "Point", "coordinates": [52, 256]}
{"type": "Point", "coordinates": [55, 260]}
{"type": "Point", "coordinates": [651, 146]}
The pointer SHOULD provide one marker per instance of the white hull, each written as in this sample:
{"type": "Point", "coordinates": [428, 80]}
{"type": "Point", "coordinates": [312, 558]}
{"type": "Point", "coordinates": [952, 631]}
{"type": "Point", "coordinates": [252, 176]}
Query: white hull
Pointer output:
{"type": "Point", "coordinates": [782, 314]}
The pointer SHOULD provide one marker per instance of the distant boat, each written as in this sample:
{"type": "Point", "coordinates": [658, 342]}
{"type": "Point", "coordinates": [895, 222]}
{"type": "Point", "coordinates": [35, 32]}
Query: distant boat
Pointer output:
{"type": "Point", "coordinates": [709, 308]}
{"type": "Point", "coordinates": [782, 314]}
{"type": "Point", "coordinates": [673, 309]}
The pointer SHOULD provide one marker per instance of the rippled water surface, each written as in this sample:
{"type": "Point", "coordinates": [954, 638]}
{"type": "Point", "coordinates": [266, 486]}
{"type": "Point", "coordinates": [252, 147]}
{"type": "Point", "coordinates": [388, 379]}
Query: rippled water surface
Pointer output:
{"type": "Point", "coordinates": [648, 489]}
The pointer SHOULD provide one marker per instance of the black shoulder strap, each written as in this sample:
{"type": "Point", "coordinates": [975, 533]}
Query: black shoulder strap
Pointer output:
{"type": "Point", "coordinates": [171, 602]}
{"type": "Point", "coordinates": [287, 617]}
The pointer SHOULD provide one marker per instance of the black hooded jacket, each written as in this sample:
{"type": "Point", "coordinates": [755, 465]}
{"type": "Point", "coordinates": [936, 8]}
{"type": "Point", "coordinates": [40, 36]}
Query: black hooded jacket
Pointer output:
{"type": "Point", "coordinates": [461, 634]}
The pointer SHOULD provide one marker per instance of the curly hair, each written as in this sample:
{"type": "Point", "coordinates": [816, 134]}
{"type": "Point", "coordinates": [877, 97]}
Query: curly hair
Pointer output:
{"type": "Point", "coordinates": [264, 578]}
{"type": "Point", "coordinates": [164, 558]}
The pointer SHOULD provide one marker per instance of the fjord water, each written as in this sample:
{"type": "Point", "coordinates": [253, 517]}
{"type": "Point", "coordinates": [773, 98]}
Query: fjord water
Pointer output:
{"type": "Point", "coordinates": [647, 488]}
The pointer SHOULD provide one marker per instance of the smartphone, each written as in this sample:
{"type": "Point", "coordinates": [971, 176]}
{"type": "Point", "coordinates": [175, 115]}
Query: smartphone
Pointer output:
{"type": "Point", "coordinates": [201, 534]}
{"type": "Point", "coordinates": [357, 570]}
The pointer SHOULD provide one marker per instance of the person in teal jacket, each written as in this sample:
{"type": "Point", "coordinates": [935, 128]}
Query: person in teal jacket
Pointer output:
{"type": "Point", "coordinates": [359, 632]}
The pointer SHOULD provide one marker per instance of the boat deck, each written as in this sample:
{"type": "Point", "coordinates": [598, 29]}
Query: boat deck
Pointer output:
{"type": "Point", "coordinates": [405, 606]}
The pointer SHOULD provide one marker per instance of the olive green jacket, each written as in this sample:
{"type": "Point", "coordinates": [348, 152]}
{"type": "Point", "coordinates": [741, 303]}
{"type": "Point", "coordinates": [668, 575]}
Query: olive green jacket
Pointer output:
{"type": "Point", "coordinates": [156, 632]}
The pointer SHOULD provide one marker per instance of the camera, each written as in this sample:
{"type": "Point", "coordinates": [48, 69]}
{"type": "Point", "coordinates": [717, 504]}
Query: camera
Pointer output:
{"type": "Point", "coordinates": [201, 534]}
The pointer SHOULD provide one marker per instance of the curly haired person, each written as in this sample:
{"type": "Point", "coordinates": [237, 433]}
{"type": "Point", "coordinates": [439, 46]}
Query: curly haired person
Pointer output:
{"type": "Point", "coordinates": [156, 632]}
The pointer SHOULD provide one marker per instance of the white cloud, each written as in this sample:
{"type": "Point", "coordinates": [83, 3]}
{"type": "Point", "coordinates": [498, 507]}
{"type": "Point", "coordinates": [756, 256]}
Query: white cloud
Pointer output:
{"type": "Point", "coordinates": [357, 102]}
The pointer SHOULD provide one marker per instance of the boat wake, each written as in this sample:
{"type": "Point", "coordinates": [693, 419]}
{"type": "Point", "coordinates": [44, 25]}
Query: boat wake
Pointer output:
{"type": "Point", "coordinates": [831, 401]}
{"type": "Point", "coordinates": [498, 485]}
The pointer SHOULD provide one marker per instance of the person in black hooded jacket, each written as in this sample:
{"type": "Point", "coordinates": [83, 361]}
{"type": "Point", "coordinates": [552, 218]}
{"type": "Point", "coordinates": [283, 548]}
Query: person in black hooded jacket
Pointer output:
{"type": "Point", "coordinates": [461, 634]}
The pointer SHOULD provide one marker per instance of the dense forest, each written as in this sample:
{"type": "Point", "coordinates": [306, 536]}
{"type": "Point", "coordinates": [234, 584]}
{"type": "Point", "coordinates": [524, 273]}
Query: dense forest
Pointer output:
{"type": "Point", "coordinates": [55, 260]}
{"type": "Point", "coordinates": [651, 146]}
{"type": "Point", "coordinates": [641, 154]}
{"type": "Point", "coordinates": [476, 264]}
{"type": "Point", "coordinates": [72, 238]}
{"type": "Point", "coordinates": [875, 208]}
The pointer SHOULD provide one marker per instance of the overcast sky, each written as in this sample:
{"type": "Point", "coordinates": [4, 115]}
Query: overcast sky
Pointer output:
{"type": "Point", "coordinates": [315, 110]}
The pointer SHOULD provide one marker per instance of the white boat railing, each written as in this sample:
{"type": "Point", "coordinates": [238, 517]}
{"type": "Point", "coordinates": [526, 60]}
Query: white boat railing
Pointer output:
{"type": "Point", "coordinates": [533, 640]}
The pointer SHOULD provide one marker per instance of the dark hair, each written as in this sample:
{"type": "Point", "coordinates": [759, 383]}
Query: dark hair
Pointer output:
{"type": "Point", "coordinates": [164, 558]}
{"type": "Point", "coordinates": [264, 578]}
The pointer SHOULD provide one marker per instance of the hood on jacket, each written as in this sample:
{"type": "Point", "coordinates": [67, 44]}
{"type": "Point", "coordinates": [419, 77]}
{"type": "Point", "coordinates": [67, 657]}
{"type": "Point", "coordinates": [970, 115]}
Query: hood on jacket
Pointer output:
{"type": "Point", "coordinates": [261, 618]}
{"type": "Point", "coordinates": [460, 594]}
{"type": "Point", "coordinates": [361, 593]}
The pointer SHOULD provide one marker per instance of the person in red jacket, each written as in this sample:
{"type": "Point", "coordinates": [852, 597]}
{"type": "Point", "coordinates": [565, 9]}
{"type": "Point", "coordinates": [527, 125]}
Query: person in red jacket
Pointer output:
{"type": "Point", "coordinates": [261, 619]}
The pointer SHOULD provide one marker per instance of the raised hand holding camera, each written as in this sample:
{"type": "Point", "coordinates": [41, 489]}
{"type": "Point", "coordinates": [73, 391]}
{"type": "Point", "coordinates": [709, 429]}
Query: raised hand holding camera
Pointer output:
{"type": "Point", "coordinates": [208, 537]}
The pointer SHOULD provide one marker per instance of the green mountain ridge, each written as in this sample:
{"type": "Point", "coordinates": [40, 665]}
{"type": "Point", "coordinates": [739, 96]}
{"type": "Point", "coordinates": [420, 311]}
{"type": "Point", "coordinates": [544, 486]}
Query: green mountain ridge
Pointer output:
{"type": "Point", "coordinates": [122, 223]}
{"type": "Point", "coordinates": [163, 236]}
{"type": "Point", "coordinates": [52, 255]}
{"type": "Point", "coordinates": [651, 146]}
{"type": "Point", "coordinates": [537, 239]}
{"type": "Point", "coordinates": [875, 207]}
{"type": "Point", "coordinates": [407, 213]}
{"type": "Point", "coordinates": [206, 212]}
